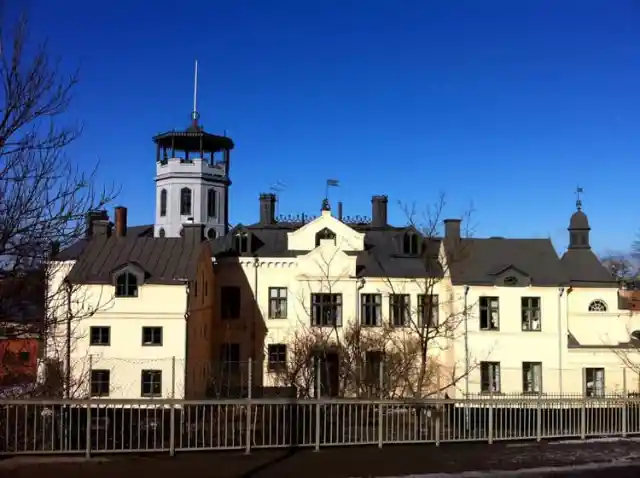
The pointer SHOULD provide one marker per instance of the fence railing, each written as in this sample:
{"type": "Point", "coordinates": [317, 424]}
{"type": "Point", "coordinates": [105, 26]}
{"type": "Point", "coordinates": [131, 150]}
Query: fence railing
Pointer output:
{"type": "Point", "coordinates": [110, 426]}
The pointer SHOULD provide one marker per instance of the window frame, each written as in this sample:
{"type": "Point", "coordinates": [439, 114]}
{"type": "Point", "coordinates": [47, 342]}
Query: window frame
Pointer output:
{"type": "Point", "coordinates": [596, 392]}
{"type": "Point", "coordinates": [485, 305]}
{"type": "Point", "coordinates": [410, 243]}
{"type": "Point", "coordinates": [151, 374]}
{"type": "Point", "coordinates": [99, 328]}
{"type": "Point", "coordinates": [227, 309]}
{"type": "Point", "coordinates": [404, 306]}
{"type": "Point", "coordinates": [241, 241]}
{"type": "Point", "coordinates": [151, 329]}
{"type": "Point", "coordinates": [322, 302]}
{"type": "Point", "coordinates": [212, 203]}
{"type": "Point", "coordinates": [186, 201]}
{"type": "Point", "coordinates": [605, 307]}
{"type": "Point", "coordinates": [163, 202]}
{"type": "Point", "coordinates": [325, 234]}
{"type": "Point", "coordinates": [371, 306]}
{"type": "Point", "coordinates": [96, 379]}
{"type": "Point", "coordinates": [434, 307]}
{"type": "Point", "coordinates": [528, 311]}
{"type": "Point", "coordinates": [487, 368]}
{"type": "Point", "coordinates": [276, 357]}
{"type": "Point", "coordinates": [531, 367]}
{"type": "Point", "coordinates": [276, 309]}
{"type": "Point", "coordinates": [127, 285]}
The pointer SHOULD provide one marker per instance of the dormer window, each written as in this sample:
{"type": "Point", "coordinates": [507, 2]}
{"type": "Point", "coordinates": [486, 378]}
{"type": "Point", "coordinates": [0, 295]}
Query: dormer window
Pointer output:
{"type": "Point", "coordinates": [598, 306]}
{"type": "Point", "coordinates": [511, 281]}
{"type": "Point", "coordinates": [325, 234]}
{"type": "Point", "coordinates": [410, 243]}
{"type": "Point", "coordinates": [242, 243]}
{"type": "Point", "coordinates": [126, 285]}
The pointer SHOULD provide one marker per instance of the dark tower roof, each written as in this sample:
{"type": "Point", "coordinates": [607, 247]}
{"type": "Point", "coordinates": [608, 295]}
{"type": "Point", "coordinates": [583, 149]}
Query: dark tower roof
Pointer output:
{"type": "Point", "coordinates": [582, 266]}
{"type": "Point", "coordinates": [192, 139]}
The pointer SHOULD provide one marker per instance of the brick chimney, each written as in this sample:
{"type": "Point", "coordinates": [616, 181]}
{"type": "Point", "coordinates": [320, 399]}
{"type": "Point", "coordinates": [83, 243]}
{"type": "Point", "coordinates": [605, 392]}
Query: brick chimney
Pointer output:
{"type": "Point", "coordinates": [268, 208]}
{"type": "Point", "coordinates": [92, 217]}
{"type": "Point", "coordinates": [379, 211]}
{"type": "Point", "coordinates": [193, 234]}
{"type": "Point", "coordinates": [452, 229]}
{"type": "Point", "coordinates": [121, 221]}
{"type": "Point", "coordinates": [102, 228]}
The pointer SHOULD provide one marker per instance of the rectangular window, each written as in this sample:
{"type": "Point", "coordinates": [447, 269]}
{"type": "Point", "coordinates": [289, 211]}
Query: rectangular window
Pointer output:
{"type": "Point", "coordinates": [326, 310]}
{"type": "Point", "coordinates": [151, 383]}
{"type": "Point", "coordinates": [489, 313]}
{"type": "Point", "coordinates": [399, 309]}
{"type": "Point", "coordinates": [594, 382]}
{"type": "Point", "coordinates": [277, 302]}
{"type": "Point", "coordinates": [371, 310]}
{"type": "Point", "coordinates": [211, 203]}
{"type": "Point", "coordinates": [277, 354]}
{"type": "Point", "coordinates": [531, 316]}
{"type": "Point", "coordinates": [151, 335]}
{"type": "Point", "coordinates": [428, 310]}
{"type": "Point", "coordinates": [230, 302]}
{"type": "Point", "coordinates": [230, 357]}
{"type": "Point", "coordinates": [532, 377]}
{"type": "Point", "coordinates": [490, 377]}
{"type": "Point", "coordinates": [100, 383]}
{"type": "Point", "coordinates": [100, 335]}
{"type": "Point", "coordinates": [374, 360]}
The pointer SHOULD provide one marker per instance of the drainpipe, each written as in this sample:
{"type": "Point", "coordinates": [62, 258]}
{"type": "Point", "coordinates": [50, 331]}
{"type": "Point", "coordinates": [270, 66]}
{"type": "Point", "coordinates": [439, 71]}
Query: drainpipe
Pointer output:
{"type": "Point", "coordinates": [560, 337]}
{"type": "Point", "coordinates": [466, 342]}
{"type": "Point", "coordinates": [67, 378]}
{"type": "Point", "coordinates": [256, 318]}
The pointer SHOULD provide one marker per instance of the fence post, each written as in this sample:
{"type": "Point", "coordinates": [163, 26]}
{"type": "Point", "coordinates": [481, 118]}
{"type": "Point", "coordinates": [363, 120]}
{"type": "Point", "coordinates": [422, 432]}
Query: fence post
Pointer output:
{"type": "Point", "coordinates": [490, 432]}
{"type": "Point", "coordinates": [249, 395]}
{"type": "Point", "coordinates": [380, 414]}
{"type": "Point", "coordinates": [625, 401]}
{"type": "Point", "coordinates": [87, 452]}
{"type": "Point", "coordinates": [173, 377]}
{"type": "Point", "coordinates": [539, 416]}
{"type": "Point", "coordinates": [318, 369]}
{"type": "Point", "coordinates": [172, 429]}
{"type": "Point", "coordinates": [583, 413]}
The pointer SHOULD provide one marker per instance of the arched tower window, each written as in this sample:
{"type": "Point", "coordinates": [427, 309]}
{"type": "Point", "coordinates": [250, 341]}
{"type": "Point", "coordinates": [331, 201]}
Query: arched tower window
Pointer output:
{"type": "Point", "coordinates": [185, 202]}
{"type": "Point", "coordinates": [325, 233]}
{"type": "Point", "coordinates": [211, 203]}
{"type": "Point", "coordinates": [163, 202]}
{"type": "Point", "coordinates": [598, 306]}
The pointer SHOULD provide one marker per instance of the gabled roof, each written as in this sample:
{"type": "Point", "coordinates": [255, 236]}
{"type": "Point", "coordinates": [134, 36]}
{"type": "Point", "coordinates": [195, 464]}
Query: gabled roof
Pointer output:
{"type": "Point", "coordinates": [76, 249]}
{"type": "Point", "coordinates": [479, 259]}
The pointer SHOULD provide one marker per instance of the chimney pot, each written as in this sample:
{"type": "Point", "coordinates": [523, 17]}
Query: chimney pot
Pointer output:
{"type": "Point", "coordinates": [92, 217]}
{"type": "Point", "coordinates": [379, 211]}
{"type": "Point", "coordinates": [340, 211]}
{"type": "Point", "coordinates": [121, 221]}
{"type": "Point", "coordinates": [268, 208]}
{"type": "Point", "coordinates": [102, 228]}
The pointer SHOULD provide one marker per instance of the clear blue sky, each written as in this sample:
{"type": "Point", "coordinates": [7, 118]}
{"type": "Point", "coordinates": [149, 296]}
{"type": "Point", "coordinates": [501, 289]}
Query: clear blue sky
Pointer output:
{"type": "Point", "coordinates": [504, 104]}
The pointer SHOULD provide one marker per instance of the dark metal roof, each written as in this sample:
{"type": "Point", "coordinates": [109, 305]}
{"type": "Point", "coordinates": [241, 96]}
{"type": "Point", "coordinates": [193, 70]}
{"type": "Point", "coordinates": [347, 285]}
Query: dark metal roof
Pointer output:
{"type": "Point", "coordinates": [579, 221]}
{"type": "Point", "coordinates": [163, 260]}
{"type": "Point", "coordinates": [76, 249]}
{"type": "Point", "coordinates": [479, 260]}
{"type": "Point", "coordinates": [193, 139]}
{"type": "Point", "coordinates": [584, 269]}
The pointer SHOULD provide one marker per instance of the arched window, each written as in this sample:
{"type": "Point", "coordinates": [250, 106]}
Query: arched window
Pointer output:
{"type": "Point", "coordinates": [211, 203]}
{"type": "Point", "coordinates": [325, 233]}
{"type": "Point", "coordinates": [163, 202]}
{"type": "Point", "coordinates": [598, 306]}
{"type": "Point", "coordinates": [185, 202]}
{"type": "Point", "coordinates": [126, 285]}
{"type": "Point", "coordinates": [410, 243]}
{"type": "Point", "coordinates": [161, 232]}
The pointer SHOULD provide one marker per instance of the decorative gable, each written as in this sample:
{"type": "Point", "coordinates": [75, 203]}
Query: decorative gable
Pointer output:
{"type": "Point", "coordinates": [510, 276]}
{"type": "Point", "coordinates": [325, 228]}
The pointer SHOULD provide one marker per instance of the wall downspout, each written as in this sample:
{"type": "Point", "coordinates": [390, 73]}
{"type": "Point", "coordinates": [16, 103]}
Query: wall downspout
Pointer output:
{"type": "Point", "coordinates": [257, 361]}
{"type": "Point", "coordinates": [561, 338]}
{"type": "Point", "coordinates": [466, 343]}
{"type": "Point", "coordinates": [67, 378]}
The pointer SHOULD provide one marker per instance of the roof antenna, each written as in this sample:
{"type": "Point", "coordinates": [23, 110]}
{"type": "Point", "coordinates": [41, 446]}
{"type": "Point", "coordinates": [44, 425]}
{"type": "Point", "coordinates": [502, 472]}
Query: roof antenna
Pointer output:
{"type": "Point", "coordinates": [195, 116]}
{"type": "Point", "coordinates": [579, 191]}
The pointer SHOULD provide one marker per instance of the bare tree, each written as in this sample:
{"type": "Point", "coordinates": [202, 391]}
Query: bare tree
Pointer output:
{"type": "Point", "coordinates": [406, 354]}
{"type": "Point", "coordinates": [45, 196]}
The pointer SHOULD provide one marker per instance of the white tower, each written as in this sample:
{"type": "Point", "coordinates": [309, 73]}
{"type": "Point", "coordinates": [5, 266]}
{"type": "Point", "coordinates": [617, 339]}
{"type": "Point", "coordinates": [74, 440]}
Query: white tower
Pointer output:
{"type": "Point", "coordinates": [192, 179]}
